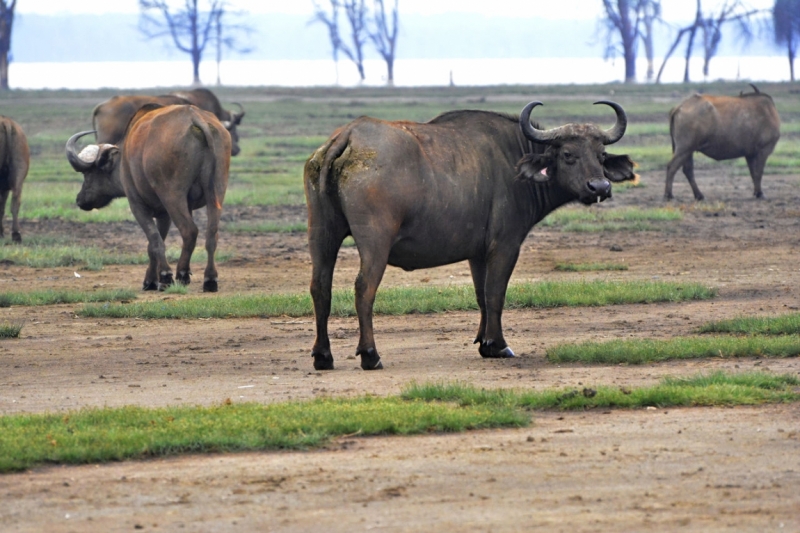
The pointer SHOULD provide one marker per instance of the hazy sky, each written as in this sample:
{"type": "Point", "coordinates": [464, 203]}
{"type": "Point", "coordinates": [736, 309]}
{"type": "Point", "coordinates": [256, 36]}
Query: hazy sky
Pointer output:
{"type": "Point", "coordinates": [569, 9]}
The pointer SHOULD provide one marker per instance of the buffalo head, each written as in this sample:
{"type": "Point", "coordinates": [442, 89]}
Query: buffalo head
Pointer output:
{"type": "Point", "coordinates": [575, 157]}
{"type": "Point", "coordinates": [99, 164]}
{"type": "Point", "coordinates": [230, 125]}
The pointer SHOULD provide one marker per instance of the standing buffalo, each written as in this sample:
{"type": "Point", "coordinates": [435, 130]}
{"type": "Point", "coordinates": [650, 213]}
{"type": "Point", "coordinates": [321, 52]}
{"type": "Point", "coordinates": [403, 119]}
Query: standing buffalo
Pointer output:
{"type": "Point", "coordinates": [111, 117]}
{"type": "Point", "coordinates": [723, 127]}
{"type": "Point", "coordinates": [173, 160]}
{"type": "Point", "coordinates": [14, 162]}
{"type": "Point", "coordinates": [466, 185]}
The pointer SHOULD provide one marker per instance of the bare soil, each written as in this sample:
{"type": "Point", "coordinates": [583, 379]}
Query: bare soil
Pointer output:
{"type": "Point", "coordinates": [694, 469]}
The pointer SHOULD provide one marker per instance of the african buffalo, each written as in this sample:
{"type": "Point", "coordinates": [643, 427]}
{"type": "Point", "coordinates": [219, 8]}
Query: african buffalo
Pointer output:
{"type": "Point", "coordinates": [466, 185]}
{"type": "Point", "coordinates": [14, 163]}
{"type": "Point", "coordinates": [173, 160]}
{"type": "Point", "coordinates": [111, 117]}
{"type": "Point", "coordinates": [723, 127]}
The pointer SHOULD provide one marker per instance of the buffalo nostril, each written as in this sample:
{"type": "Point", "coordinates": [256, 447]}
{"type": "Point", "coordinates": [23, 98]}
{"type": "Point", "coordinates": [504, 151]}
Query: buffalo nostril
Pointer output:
{"type": "Point", "coordinates": [599, 187]}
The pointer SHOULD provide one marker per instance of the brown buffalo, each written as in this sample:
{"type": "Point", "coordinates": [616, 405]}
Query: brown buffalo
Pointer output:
{"type": "Point", "coordinates": [468, 185]}
{"type": "Point", "coordinates": [723, 127]}
{"type": "Point", "coordinates": [111, 117]}
{"type": "Point", "coordinates": [173, 160]}
{"type": "Point", "coordinates": [14, 163]}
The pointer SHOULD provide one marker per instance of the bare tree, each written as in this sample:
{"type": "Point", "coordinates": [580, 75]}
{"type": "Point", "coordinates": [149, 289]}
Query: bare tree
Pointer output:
{"type": "Point", "coordinates": [710, 27]}
{"type": "Point", "coordinates": [651, 13]}
{"type": "Point", "coordinates": [225, 34]}
{"type": "Point", "coordinates": [6, 24]}
{"type": "Point", "coordinates": [356, 13]}
{"type": "Point", "coordinates": [331, 21]}
{"type": "Point", "coordinates": [384, 36]}
{"type": "Point", "coordinates": [190, 27]}
{"type": "Point", "coordinates": [621, 18]}
{"type": "Point", "coordinates": [786, 28]}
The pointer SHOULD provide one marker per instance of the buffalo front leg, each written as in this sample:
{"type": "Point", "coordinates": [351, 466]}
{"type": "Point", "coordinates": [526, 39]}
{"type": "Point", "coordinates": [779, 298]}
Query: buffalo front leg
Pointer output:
{"type": "Point", "coordinates": [374, 257]}
{"type": "Point", "coordinates": [478, 269]}
{"type": "Point", "coordinates": [323, 245]}
{"type": "Point", "coordinates": [499, 266]}
{"type": "Point", "coordinates": [678, 160]}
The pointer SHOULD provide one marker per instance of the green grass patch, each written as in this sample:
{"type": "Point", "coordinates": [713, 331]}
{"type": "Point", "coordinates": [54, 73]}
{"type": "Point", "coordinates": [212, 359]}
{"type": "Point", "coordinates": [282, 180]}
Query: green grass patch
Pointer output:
{"type": "Point", "coordinates": [640, 351]}
{"type": "Point", "coordinates": [788, 324]}
{"type": "Point", "coordinates": [9, 330]}
{"type": "Point", "coordinates": [101, 435]}
{"type": "Point", "coordinates": [408, 300]}
{"type": "Point", "coordinates": [177, 288]}
{"type": "Point", "coordinates": [266, 227]}
{"type": "Point", "coordinates": [52, 297]}
{"type": "Point", "coordinates": [715, 389]}
{"type": "Point", "coordinates": [589, 267]}
{"type": "Point", "coordinates": [50, 253]}
{"type": "Point", "coordinates": [597, 220]}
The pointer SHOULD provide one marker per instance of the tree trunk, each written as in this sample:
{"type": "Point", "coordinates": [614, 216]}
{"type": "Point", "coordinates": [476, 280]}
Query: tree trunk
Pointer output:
{"type": "Point", "coordinates": [791, 65]}
{"type": "Point", "coordinates": [196, 68]}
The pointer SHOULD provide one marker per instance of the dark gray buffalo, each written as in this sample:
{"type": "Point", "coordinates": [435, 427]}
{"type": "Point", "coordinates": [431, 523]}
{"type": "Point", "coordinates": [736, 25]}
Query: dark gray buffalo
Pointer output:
{"type": "Point", "coordinates": [173, 160]}
{"type": "Point", "coordinates": [466, 185]}
{"type": "Point", "coordinates": [111, 118]}
{"type": "Point", "coordinates": [723, 127]}
{"type": "Point", "coordinates": [14, 163]}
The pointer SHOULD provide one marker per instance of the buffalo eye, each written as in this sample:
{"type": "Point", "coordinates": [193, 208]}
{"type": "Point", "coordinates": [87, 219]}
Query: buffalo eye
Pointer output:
{"type": "Point", "coordinates": [569, 157]}
{"type": "Point", "coordinates": [603, 157]}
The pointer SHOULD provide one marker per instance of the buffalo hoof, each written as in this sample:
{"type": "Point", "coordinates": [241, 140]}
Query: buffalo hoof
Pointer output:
{"type": "Point", "coordinates": [210, 285]}
{"type": "Point", "coordinates": [760, 195]}
{"type": "Point", "coordinates": [149, 286]}
{"type": "Point", "coordinates": [184, 277]}
{"type": "Point", "coordinates": [165, 280]}
{"type": "Point", "coordinates": [322, 361]}
{"type": "Point", "coordinates": [370, 360]}
{"type": "Point", "coordinates": [16, 237]}
{"type": "Point", "coordinates": [491, 351]}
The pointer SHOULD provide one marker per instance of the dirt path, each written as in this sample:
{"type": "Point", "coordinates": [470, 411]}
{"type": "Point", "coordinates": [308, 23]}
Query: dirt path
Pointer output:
{"type": "Point", "coordinates": [697, 469]}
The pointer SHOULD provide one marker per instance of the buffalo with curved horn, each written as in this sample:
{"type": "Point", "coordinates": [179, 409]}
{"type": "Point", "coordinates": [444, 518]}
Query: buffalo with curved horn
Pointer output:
{"type": "Point", "coordinates": [173, 160]}
{"type": "Point", "coordinates": [468, 185]}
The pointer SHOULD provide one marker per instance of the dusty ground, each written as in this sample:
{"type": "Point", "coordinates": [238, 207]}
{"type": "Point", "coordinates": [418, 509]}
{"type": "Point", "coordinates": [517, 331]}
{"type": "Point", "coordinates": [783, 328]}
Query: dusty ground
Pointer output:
{"type": "Point", "coordinates": [697, 469]}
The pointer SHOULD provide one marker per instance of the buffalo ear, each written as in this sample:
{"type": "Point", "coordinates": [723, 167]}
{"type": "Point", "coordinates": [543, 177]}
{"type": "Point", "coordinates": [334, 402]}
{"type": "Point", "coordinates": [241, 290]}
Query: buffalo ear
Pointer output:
{"type": "Point", "coordinates": [618, 168]}
{"type": "Point", "coordinates": [534, 166]}
{"type": "Point", "coordinates": [107, 156]}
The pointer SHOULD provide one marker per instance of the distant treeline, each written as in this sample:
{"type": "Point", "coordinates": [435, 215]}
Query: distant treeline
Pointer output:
{"type": "Point", "coordinates": [115, 37]}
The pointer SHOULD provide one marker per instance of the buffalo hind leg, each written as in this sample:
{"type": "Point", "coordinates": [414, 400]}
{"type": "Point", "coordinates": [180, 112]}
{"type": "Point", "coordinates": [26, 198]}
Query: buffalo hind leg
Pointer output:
{"type": "Point", "coordinates": [679, 159]}
{"type": "Point", "coordinates": [688, 171]}
{"type": "Point", "coordinates": [374, 257]}
{"type": "Point", "coordinates": [323, 245]}
{"type": "Point", "coordinates": [499, 266]}
{"type": "Point", "coordinates": [756, 165]}
{"type": "Point", "coordinates": [155, 246]}
{"type": "Point", "coordinates": [182, 218]}
{"type": "Point", "coordinates": [210, 279]}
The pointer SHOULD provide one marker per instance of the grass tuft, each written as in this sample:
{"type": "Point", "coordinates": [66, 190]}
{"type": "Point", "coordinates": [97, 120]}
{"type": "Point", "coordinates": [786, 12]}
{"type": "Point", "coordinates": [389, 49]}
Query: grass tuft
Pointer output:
{"type": "Point", "coordinates": [788, 324]}
{"type": "Point", "coordinates": [408, 300]}
{"type": "Point", "coordinates": [641, 351]}
{"type": "Point", "coordinates": [53, 297]}
{"type": "Point", "coordinates": [10, 330]}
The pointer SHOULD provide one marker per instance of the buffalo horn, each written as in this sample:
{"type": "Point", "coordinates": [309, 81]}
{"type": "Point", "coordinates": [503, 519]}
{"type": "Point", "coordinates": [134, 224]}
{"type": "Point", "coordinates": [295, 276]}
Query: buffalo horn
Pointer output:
{"type": "Point", "coordinates": [237, 117]}
{"type": "Point", "coordinates": [540, 136]}
{"type": "Point", "coordinates": [72, 153]}
{"type": "Point", "coordinates": [610, 136]}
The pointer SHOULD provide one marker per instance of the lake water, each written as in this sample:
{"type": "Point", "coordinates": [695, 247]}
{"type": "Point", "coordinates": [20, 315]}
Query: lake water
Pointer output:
{"type": "Point", "coordinates": [408, 72]}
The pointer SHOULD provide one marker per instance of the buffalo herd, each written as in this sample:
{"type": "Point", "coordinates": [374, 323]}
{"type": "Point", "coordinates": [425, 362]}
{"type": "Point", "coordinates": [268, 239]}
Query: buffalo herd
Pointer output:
{"type": "Point", "coordinates": [466, 185]}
